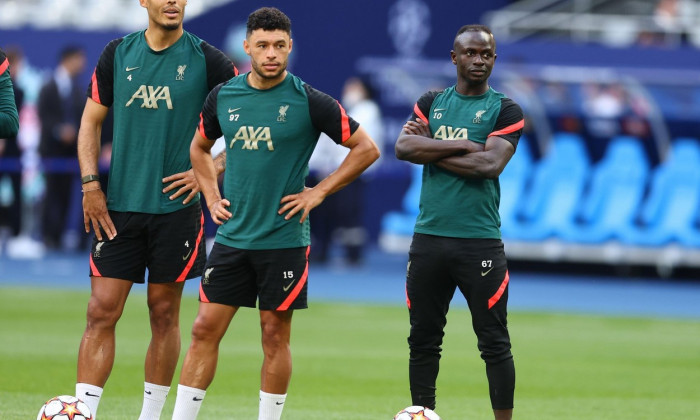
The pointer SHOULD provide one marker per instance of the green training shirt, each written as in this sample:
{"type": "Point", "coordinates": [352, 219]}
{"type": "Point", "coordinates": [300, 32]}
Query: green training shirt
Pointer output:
{"type": "Point", "coordinates": [452, 205]}
{"type": "Point", "coordinates": [270, 135]}
{"type": "Point", "coordinates": [156, 97]}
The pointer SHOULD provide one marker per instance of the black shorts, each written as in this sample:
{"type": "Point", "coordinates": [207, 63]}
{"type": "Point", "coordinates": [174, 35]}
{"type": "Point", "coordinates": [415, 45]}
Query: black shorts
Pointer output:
{"type": "Point", "coordinates": [239, 277]}
{"type": "Point", "coordinates": [171, 246]}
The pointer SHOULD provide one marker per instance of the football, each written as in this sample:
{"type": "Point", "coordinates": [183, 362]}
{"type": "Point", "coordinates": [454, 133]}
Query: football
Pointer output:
{"type": "Point", "coordinates": [64, 407]}
{"type": "Point", "coordinates": [416, 413]}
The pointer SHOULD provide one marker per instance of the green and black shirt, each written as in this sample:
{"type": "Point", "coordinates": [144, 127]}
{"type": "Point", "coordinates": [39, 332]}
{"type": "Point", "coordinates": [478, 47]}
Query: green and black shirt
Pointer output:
{"type": "Point", "coordinates": [452, 205]}
{"type": "Point", "coordinates": [156, 97]}
{"type": "Point", "coordinates": [270, 135]}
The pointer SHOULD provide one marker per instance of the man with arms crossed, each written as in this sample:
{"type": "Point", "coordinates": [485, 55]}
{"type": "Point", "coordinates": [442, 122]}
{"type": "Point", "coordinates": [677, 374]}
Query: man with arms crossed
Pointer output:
{"type": "Point", "coordinates": [271, 121]}
{"type": "Point", "coordinates": [464, 136]}
{"type": "Point", "coordinates": [156, 81]}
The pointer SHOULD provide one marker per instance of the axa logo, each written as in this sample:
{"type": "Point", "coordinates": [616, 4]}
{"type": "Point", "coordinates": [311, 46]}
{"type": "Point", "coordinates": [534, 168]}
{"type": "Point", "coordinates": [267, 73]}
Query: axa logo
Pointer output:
{"type": "Point", "coordinates": [251, 136]}
{"type": "Point", "coordinates": [150, 95]}
{"type": "Point", "coordinates": [446, 132]}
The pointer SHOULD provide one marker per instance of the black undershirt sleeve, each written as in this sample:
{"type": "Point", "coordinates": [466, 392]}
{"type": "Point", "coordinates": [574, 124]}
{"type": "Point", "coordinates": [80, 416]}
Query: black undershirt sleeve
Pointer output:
{"type": "Point", "coordinates": [219, 67]}
{"type": "Point", "coordinates": [209, 126]}
{"type": "Point", "coordinates": [507, 124]}
{"type": "Point", "coordinates": [101, 86]}
{"type": "Point", "coordinates": [328, 116]}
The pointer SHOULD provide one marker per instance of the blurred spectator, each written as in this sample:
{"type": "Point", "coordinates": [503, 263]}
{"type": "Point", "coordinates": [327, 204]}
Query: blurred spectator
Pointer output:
{"type": "Point", "coordinates": [61, 102]}
{"type": "Point", "coordinates": [339, 219]}
{"type": "Point", "coordinates": [10, 170]}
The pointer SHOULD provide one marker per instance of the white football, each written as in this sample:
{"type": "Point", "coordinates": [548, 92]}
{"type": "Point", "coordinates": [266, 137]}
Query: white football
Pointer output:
{"type": "Point", "coordinates": [416, 413]}
{"type": "Point", "coordinates": [64, 407]}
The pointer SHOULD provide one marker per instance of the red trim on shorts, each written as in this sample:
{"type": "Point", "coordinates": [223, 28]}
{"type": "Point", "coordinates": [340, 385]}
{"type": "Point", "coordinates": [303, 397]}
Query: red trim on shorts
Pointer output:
{"type": "Point", "coordinates": [302, 281]}
{"type": "Point", "coordinates": [193, 257]}
{"type": "Point", "coordinates": [95, 94]}
{"type": "Point", "coordinates": [408, 301]}
{"type": "Point", "coordinates": [93, 268]}
{"type": "Point", "coordinates": [344, 123]}
{"type": "Point", "coordinates": [497, 296]}
{"type": "Point", "coordinates": [420, 114]}
{"type": "Point", "coordinates": [202, 296]}
{"type": "Point", "coordinates": [511, 128]}
{"type": "Point", "coordinates": [5, 64]}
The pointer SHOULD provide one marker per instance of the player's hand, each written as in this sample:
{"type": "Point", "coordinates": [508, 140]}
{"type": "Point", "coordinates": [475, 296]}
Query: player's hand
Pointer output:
{"type": "Point", "coordinates": [185, 181]}
{"type": "Point", "coordinates": [417, 128]}
{"type": "Point", "coordinates": [304, 202]}
{"type": "Point", "coordinates": [219, 212]}
{"type": "Point", "coordinates": [95, 213]}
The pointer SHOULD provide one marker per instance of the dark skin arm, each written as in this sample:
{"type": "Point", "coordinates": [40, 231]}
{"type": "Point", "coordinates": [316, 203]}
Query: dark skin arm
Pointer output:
{"type": "Point", "coordinates": [480, 160]}
{"type": "Point", "coordinates": [416, 145]}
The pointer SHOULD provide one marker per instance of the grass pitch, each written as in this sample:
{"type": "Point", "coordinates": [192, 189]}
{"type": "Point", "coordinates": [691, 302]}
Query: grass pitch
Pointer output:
{"type": "Point", "coordinates": [350, 362]}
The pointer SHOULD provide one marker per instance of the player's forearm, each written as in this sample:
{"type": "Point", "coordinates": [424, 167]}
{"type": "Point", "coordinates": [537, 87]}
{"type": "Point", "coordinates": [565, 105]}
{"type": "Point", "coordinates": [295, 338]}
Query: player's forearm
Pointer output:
{"type": "Point", "coordinates": [220, 162]}
{"type": "Point", "coordinates": [205, 172]}
{"type": "Point", "coordinates": [421, 150]}
{"type": "Point", "coordinates": [473, 165]}
{"type": "Point", "coordinates": [356, 162]}
{"type": "Point", "coordinates": [89, 148]}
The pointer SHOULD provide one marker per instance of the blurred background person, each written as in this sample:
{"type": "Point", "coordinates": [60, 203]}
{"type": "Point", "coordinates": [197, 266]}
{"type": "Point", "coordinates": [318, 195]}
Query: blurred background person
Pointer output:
{"type": "Point", "coordinates": [339, 219]}
{"type": "Point", "coordinates": [60, 107]}
{"type": "Point", "coordinates": [11, 169]}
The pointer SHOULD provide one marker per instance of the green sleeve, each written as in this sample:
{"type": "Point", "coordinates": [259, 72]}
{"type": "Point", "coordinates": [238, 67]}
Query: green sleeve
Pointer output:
{"type": "Point", "coordinates": [9, 120]}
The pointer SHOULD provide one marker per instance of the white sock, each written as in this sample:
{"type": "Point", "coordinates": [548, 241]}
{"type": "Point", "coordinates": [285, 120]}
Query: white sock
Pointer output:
{"type": "Point", "coordinates": [153, 400]}
{"type": "Point", "coordinates": [188, 402]}
{"type": "Point", "coordinates": [90, 395]}
{"type": "Point", "coordinates": [271, 406]}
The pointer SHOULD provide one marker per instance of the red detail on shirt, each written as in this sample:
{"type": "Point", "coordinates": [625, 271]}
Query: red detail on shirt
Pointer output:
{"type": "Point", "coordinates": [420, 114]}
{"type": "Point", "coordinates": [511, 128]}
{"type": "Point", "coordinates": [5, 64]}
{"type": "Point", "coordinates": [344, 122]}
{"type": "Point", "coordinates": [95, 94]}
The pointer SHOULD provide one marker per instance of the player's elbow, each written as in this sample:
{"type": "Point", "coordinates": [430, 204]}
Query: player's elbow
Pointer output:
{"type": "Point", "coordinates": [401, 149]}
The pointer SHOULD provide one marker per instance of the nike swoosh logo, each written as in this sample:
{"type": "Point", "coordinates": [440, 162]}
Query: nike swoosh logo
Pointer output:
{"type": "Point", "coordinates": [483, 273]}
{"type": "Point", "coordinates": [439, 109]}
{"type": "Point", "coordinates": [285, 288]}
{"type": "Point", "coordinates": [132, 68]}
{"type": "Point", "coordinates": [184, 257]}
{"type": "Point", "coordinates": [91, 395]}
{"type": "Point", "coordinates": [148, 392]}
{"type": "Point", "coordinates": [197, 399]}
{"type": "Point", "coordinates": [232, 110]}
{"type": "Point", "coordinates": [279, 403]}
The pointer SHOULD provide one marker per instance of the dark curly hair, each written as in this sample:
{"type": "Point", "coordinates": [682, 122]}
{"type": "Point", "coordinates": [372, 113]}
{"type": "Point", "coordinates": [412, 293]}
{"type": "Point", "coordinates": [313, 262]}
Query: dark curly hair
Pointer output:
{"type": "Point", "coordinates": [268, 19]}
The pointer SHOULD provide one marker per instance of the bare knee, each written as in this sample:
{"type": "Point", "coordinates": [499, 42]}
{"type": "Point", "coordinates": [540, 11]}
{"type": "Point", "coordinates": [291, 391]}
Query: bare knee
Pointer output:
{"type": "Point", "coordinates": [164, 315]}
{"type": "Point", "coordinates": [103, 313]}
{"type": "Point", "coordinates": [206, 330]}
{"type": "Point", "coordinates": [275, 335]}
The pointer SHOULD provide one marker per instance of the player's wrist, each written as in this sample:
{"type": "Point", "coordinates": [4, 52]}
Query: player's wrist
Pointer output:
{"type": "Point", "coordinates": [91, 186]}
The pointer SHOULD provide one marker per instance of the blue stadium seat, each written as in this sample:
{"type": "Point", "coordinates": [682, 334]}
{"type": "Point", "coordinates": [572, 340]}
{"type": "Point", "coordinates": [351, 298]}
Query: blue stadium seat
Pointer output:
{"type": "Point", "coordinates": [557, 184]}
{"type": "Point", "coordinates": [401, 222]}
{"type": "Point", "coordinates": [615, 193]}
{"type": "Point", "coordinates": [514, 181]}
{"type": "Point", "coordinates": [670, 211]}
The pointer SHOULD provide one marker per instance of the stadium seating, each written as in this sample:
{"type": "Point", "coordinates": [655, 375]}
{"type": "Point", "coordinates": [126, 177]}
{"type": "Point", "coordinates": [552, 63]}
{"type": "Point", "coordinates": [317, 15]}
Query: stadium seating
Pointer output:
{"type": "Point", "coordinates": [401, 223]}
{"type": "Point", "coordinates": [616, 189]}
{"type": "Point", "coordinates": [514, 181]}
{"type": "Point", "coordinates": [557, 185]}
{"type": "Point", "coordinates": [670, 211]}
